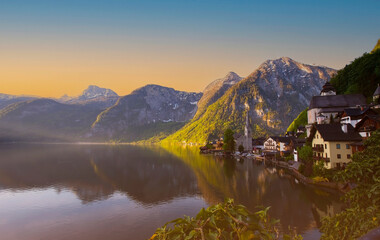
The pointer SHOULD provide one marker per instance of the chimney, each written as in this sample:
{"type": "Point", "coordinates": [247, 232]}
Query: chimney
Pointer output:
{"type": "Point", "coordinates": [344, 128]}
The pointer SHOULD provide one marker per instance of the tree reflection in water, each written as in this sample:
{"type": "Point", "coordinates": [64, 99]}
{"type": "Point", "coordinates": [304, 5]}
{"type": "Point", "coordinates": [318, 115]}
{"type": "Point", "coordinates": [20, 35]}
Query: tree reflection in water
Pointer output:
{"type": "Point", "coordinates": [155, 175]}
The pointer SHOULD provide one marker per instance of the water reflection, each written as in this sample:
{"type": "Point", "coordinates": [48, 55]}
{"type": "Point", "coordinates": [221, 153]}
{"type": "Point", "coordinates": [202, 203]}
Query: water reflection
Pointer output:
{"type": "Point", "coordinates": [154, 178]}
{"type": "Point", "coordinates": [148, 175]}
{"type": "Point", "coordinates": [252, 184]}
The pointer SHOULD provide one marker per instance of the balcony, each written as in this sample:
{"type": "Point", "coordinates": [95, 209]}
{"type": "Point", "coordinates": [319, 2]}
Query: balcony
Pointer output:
{"type": "Point", "coordinates": [316, 158]}
{"type": "Point", "coordinates": [318, 149]}
{"type": "Point", "coordinates": [270, 144]}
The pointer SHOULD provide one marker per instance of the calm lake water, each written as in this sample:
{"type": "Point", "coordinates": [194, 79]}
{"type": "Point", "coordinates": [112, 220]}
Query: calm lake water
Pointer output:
{"type": "Point", "coordinates": [125, 192]}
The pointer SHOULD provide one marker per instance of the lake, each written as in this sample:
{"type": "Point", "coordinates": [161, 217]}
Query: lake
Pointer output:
{"type": "Point", "coordinates": [63, 191]}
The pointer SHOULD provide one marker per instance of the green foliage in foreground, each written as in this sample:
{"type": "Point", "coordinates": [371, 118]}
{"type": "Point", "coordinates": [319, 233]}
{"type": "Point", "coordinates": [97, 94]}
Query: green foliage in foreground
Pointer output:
{"type": "Point", "coordinates": [301, 119]}
{"type": "Point", "coordinates": [223, 221]}
{"type": "Point", "coordinates": [363, 213]}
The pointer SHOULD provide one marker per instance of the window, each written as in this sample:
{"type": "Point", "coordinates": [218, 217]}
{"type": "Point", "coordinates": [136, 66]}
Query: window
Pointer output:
{"type": "Point", "coordinates": [348, 156]}
{"type": "Point", "coordinates": [338, 146]}
{"type": "Point", "coordinates": [347, 146]}
{"type": "Point", "coordinates": [325, 146]}
{"type": "Point", "coordinates": [338, 156]}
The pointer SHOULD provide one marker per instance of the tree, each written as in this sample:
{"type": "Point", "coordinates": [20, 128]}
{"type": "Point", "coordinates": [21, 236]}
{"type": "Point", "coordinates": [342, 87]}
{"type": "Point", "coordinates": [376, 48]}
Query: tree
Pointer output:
{"type": "Point", "coordinates": [229, 141]}
{"type": "Point", "coordinates": [306, 155]}
{"type": "Point", "coordinates": [241, 148]}
{"type": "Point", "coordinates": [363, 213]}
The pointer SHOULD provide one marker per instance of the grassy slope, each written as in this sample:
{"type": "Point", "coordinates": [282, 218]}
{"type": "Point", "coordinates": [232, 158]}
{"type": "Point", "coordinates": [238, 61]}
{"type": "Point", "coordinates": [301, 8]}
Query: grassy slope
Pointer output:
{"type": "Point", "coordinates": [224, 113]}
{"type": "Point", "coordinates": [301, 119]}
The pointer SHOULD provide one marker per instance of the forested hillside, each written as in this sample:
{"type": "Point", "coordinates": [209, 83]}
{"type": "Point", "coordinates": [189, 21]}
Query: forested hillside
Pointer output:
{"type": "Point", "coordinates": [360, 76]}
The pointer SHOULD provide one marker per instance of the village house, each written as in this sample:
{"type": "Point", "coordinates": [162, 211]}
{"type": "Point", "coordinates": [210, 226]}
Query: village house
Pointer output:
{"type": "Point", "coordinates": [270, 145]}
{"type": "Point", "coordinates": [300, 130]}
{"type": "Point", "coordinates": [258, 145]}
{"type": "Point", "coordinates": [331, 143]}
{"type": "Point", "coordinates": [276, 144]}
{"type": "Point", "coordinates": [354, 115]}
{"type": "Point", "coordinates": [367, 125]}
{"type": "Point", "coordinates": [329, 105]}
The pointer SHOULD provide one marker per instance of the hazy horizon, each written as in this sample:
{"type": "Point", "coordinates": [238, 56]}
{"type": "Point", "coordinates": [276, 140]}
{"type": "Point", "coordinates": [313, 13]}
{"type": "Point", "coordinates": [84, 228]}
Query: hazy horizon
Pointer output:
{"type": "Point", "coordinates": [54, 48]}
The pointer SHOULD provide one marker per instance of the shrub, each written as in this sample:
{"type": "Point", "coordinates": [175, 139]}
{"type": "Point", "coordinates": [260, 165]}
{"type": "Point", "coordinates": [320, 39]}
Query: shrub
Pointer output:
{"type": "Point", "coordinates": [363, 213]}
{"type": "Point", "coordinates": [319, 179]}
{"type": "Point", "coordinates": [223, 221]}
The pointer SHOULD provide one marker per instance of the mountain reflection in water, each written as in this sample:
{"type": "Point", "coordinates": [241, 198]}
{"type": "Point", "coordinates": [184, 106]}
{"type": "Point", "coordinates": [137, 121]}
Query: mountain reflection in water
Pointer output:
{"type": "Point", "coordinates": [126, 192]}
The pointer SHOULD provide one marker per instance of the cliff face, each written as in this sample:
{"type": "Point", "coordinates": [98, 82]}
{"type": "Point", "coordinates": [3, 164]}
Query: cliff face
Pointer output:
{"type": "Point", "coordinates": [273, 95]}
{"type": "Point", "coordinates": [151, 105]}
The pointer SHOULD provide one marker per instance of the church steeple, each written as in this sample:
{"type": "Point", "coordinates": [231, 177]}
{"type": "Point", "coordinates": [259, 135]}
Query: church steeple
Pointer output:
{"type": "Point", "coordinates": [328, 89]}
{"type": "Point", "coordinates": [247, 128]}
{"type": "Point", "coordinates": [247, 134]}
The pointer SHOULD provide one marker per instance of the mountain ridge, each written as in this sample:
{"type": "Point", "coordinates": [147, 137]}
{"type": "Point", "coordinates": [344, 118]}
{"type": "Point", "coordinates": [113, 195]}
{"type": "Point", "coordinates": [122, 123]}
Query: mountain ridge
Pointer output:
{"type": "Point", "coordinates": [273, 95]}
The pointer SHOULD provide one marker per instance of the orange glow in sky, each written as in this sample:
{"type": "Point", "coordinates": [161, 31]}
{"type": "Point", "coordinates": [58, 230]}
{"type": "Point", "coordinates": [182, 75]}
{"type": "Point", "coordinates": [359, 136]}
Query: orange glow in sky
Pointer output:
{"type": "Point", "coordinates": [51, 48]}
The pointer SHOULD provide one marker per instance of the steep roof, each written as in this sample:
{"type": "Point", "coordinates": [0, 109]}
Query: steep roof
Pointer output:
{"type": "Point", "coordinates": [334, 101]}
{"type": "Point", "coordinates": [334, 133]}
{"type": "Point", "coordinates": [282, 139]}
{"type": "Point", "coordinates": [355, 111]}
{"type": "Point", "coordinates": [328, 87]}
{"type": "Point", "coordinates": [375, 118]}
{"type": "Point", "coordinates": [377, 92]}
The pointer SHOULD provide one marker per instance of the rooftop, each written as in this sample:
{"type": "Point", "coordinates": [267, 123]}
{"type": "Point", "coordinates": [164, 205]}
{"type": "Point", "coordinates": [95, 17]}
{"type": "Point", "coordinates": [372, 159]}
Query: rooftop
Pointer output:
{"type": "Point", "coordinates": [377, 92]}
{"type": "Point", "coordinates": [328, 87]}
{"type": "Point", "coordinates": [334, 101]}
{"type": "Point", "coordinates": [333, 132]}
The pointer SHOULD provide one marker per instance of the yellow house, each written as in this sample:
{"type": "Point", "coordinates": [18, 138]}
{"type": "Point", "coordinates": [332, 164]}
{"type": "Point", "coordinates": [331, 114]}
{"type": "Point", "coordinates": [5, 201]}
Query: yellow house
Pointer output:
{"type": "Point", "coordinates": [331, 143]}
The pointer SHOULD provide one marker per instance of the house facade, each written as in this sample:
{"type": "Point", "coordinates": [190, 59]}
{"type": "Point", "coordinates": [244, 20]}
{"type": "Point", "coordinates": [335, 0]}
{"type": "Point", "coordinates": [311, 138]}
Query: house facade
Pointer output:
{"type": "Point", "coordinates": [270, 145]}
{"type": "Point", "coordinates": [331, 144]}
{"type": "Point", "coordinates": [367, 125]}
{"type": "Point", "coordinates": [329, 105]}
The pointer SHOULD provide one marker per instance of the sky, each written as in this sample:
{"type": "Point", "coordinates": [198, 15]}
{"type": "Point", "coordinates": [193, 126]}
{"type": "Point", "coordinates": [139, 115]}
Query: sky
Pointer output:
{"type": "Point", "coordinates": [50, 48]}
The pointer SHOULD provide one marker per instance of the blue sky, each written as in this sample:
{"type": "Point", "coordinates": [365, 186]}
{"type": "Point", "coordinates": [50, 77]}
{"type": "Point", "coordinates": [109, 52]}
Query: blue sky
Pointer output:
{"type": "Point", "coordinates": [209, 38]}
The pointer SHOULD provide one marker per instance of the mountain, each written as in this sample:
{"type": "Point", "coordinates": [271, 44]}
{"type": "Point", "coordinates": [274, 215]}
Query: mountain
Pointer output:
{"type": "Point", "coordinates": [215, 90]}
{"type": "Point", "coordinates": [45, 119]}
{"type": "Point", "coordinates": [102, 97]}
{"type": "Point", "coordinates": [360, 76]}
{"type": "Point", "coordinates": [273, 95]}
{"type": "Point", "coordinates": [144, 113]}
{"type": "Point", "coordinates": [6, 100]}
